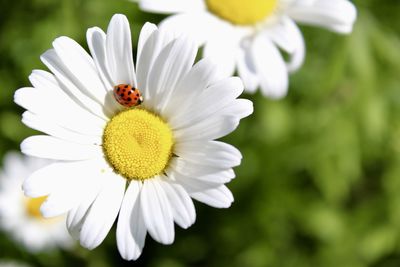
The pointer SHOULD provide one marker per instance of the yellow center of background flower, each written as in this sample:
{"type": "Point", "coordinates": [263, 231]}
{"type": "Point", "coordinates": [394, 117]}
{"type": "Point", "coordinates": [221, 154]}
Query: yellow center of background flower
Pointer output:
{"type": "Point", "coordinates": [33, 206]}
{"type": "Point", "coordinates": [242, 12]}
{"type": "Point", "coordinates": [138, 144]}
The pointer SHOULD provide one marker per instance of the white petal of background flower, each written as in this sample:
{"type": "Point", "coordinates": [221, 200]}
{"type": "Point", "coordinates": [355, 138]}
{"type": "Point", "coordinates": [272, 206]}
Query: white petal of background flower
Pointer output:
{"type": "Point", "coordinates": [34, 233]}
{"type": "Point", "coordinates": [172, 6]}
{"type": "Point", "coordinates": [241, 47]}
{"type": "Point", "coordinates": [338, 15]}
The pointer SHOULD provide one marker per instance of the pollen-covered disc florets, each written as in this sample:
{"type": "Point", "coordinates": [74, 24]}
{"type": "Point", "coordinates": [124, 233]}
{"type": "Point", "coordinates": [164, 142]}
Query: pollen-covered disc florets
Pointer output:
{"type": "Point", "coordinates": [138, 144]}
{"type": "Point", "coordinates": [33, 206]}
{"type": "Point", "coordinates": [242, 12]}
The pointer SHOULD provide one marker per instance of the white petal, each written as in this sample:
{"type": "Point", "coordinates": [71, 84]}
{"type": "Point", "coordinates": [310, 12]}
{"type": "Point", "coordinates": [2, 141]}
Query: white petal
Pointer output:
{"type": "Point", "coordinates": [221, 94]}
{"type": "Point", "coordinates": [270, 67]}
{"type": "Point", "coordinates": [70, 183]}
{"type": "Point", "coordinates": [173, 63]}
{"type": "Point", "coordinates": [199, 26]}
{"type": "Point", "coordinates": [157, 212]}
{"type": "Point", "coordinates": [60, 109]}
{"type": "Point", "coordinates": [151, 49]}
{"type": "Point", "coordinates": [48, 126]}
{"type": "Point", "coordinates": [338, 16]}
{"type": "Point", "coordinates": [54, 63]}
{"type": "Point", "coordinates": [213, 128]}
{"type": "Point", "coordinates": [182, 205]}
{"type": "Point", "coordinates": [96, 39]}
{"type": "Point", "coordinates": [240, 107]}
{"type": "Point", "coordinates": [77, 215]}
{"type": "Point", "coordinates": [171, 6]}
{"type": "Point", "coordinates": [212, 153]}
{"type": "Point", "coordinates": [188, 90]}
{"type": "Point", "coordinates": [246, 70]}
{"type": "Point", "coordinates": [193, 170]}
{"type": "Point", "coordinates": [80, 69]}
{"type": "Point", "coordinates": [49, 147]}
{"type": "Point", "coordinates": [147, 30]}
{"type": "Point", "coordinates": [119, 51]}
{"type": "Point", "coordinates": [223, 52]}
{"type": "Point", "coordinates": [215, 195]}
{"type": "Point", "coordinates": [131, 230]}
{"type": "Point", "coordinates": [219, 197]}
{"type": "Point", "coordinates": [288, 37]}
{"type": "Point", "coordinates": [103, 212]}
{"type": "Point", "coordinates": [41, 182]}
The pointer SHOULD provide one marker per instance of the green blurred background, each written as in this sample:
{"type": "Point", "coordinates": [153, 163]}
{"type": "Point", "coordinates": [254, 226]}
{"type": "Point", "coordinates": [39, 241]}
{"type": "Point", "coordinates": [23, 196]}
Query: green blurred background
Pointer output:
{"type": "Point", "coordinates": [319, 184]}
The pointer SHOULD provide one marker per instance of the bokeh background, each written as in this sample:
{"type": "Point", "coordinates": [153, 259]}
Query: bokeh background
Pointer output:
{"type": "Point", "coordinates": [319, 184]}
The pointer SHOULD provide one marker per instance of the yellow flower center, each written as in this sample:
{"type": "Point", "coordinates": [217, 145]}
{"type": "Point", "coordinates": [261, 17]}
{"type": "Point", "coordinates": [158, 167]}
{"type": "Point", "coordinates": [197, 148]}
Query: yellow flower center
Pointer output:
{"type": "Point", "coordinates": [242, 12]}
{"type": "Point", "coordinates": [33, 206]}
{"type": "Point", "coordinates": [138, 144]}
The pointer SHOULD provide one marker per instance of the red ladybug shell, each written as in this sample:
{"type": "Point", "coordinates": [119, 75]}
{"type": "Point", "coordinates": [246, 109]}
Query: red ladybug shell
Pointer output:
{"type": "Point", "coordinates": [127, 95]}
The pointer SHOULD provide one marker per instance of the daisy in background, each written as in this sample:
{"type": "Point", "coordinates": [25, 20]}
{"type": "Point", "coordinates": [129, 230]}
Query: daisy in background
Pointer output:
{"type": "Point", "coordinates": [134, 144]}
{"type": "Point", "coordinates": [247, 35]}
{"type": "Point", "coordinates": [20, 216]}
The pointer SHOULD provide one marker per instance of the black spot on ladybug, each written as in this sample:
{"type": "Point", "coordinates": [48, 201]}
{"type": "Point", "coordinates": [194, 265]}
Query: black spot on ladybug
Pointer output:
{"type": "Point", "coordinates": [137, 95]}
{"type": "Point", "coordinates": [126, 86]}
{"type": "Point", "coordinates": [130, 92]}
{"type": "Point", "coordinates": [129, 99]}
{"type": "Point", "coordinates": [135, 98]}
{"type": "Point", "coordinates": [121, 95]}
{"type": "Point", "coordinates": [118, 89]}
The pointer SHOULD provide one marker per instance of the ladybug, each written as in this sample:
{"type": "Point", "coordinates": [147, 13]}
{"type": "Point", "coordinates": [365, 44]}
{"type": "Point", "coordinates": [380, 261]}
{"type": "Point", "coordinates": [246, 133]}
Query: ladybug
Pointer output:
{"type": "Point", "coordinates": [127, 95]}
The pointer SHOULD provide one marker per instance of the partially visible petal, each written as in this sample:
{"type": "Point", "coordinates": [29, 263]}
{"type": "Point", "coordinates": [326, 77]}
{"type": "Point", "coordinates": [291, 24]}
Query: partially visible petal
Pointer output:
{"type": "Point", "coordinates": [246, 70]}
{"type": "Point", "coordinates": [153, 45]}
{"type": "Point", "coordinates": [173, 63]}
{"type": "Point", "coordinates": [212, 174]}
{"type": "Point", "coordinates": [43, 146]}
{"type": "Point", "coordinates": [68, 179]}
{"type": "Point", "coordinates": [288, 37]}
{"type": "Point", "coordinates": [338, 15]}
{"type": "Point", "coordinates": [131, 230]}
{"type": "Point", "coordinates": [215, 195]}
{"type": "Point", "coordinates": [270, 67]}
{"type": "Point", "coordinates": [157, 212]}
{"type": "Point", "coordinates": [223, 52]}
{"type": "Point", "coordinates": [103, 212]}
{"type": "Point", "coordinates": [119, 51]}
{"type": "Point", "coordinates": [188, 90]}
{"type": "Point", "coordinates": [221, 94]}
{"type": "Point", "coordinates": [147, 30]}
{"type": "Point", "coordinates": [80, 69]}
{"type": "Point", "coordinates": [48, 126]}
{"type": "Point", "coordinates": [213, 128]}
{"type": "Point", "coordinates": [199, 26]}
{"type": "Point", "coordinates": [61, 109]}
{"type": "Point", "coordinates": [211, 153]}
{"type": "Point", "coordinates": [171, 6]}
{"type": "Point", "coordinates": [181, 204]}
{"type": "Point", "coordinates": [55, 64]}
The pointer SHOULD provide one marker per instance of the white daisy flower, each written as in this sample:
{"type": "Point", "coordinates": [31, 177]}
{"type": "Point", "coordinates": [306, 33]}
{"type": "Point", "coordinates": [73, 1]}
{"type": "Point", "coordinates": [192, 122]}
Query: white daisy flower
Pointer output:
{"type": "Point", "coordinates": [248, 35]}
{"type": "Point", "coordinates": [144, 163]}
{"type": "Point", "coordinates": [20, 216]}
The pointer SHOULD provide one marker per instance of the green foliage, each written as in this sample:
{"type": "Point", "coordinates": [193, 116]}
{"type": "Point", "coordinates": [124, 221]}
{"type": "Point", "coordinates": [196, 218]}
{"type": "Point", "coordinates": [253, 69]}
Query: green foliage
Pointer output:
{"type": "Point", "coordinates": [319, 181]}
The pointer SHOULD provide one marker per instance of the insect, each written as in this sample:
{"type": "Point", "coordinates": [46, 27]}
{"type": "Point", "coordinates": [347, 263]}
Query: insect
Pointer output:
{"type": "Point", "coordinates": [127, 95]}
